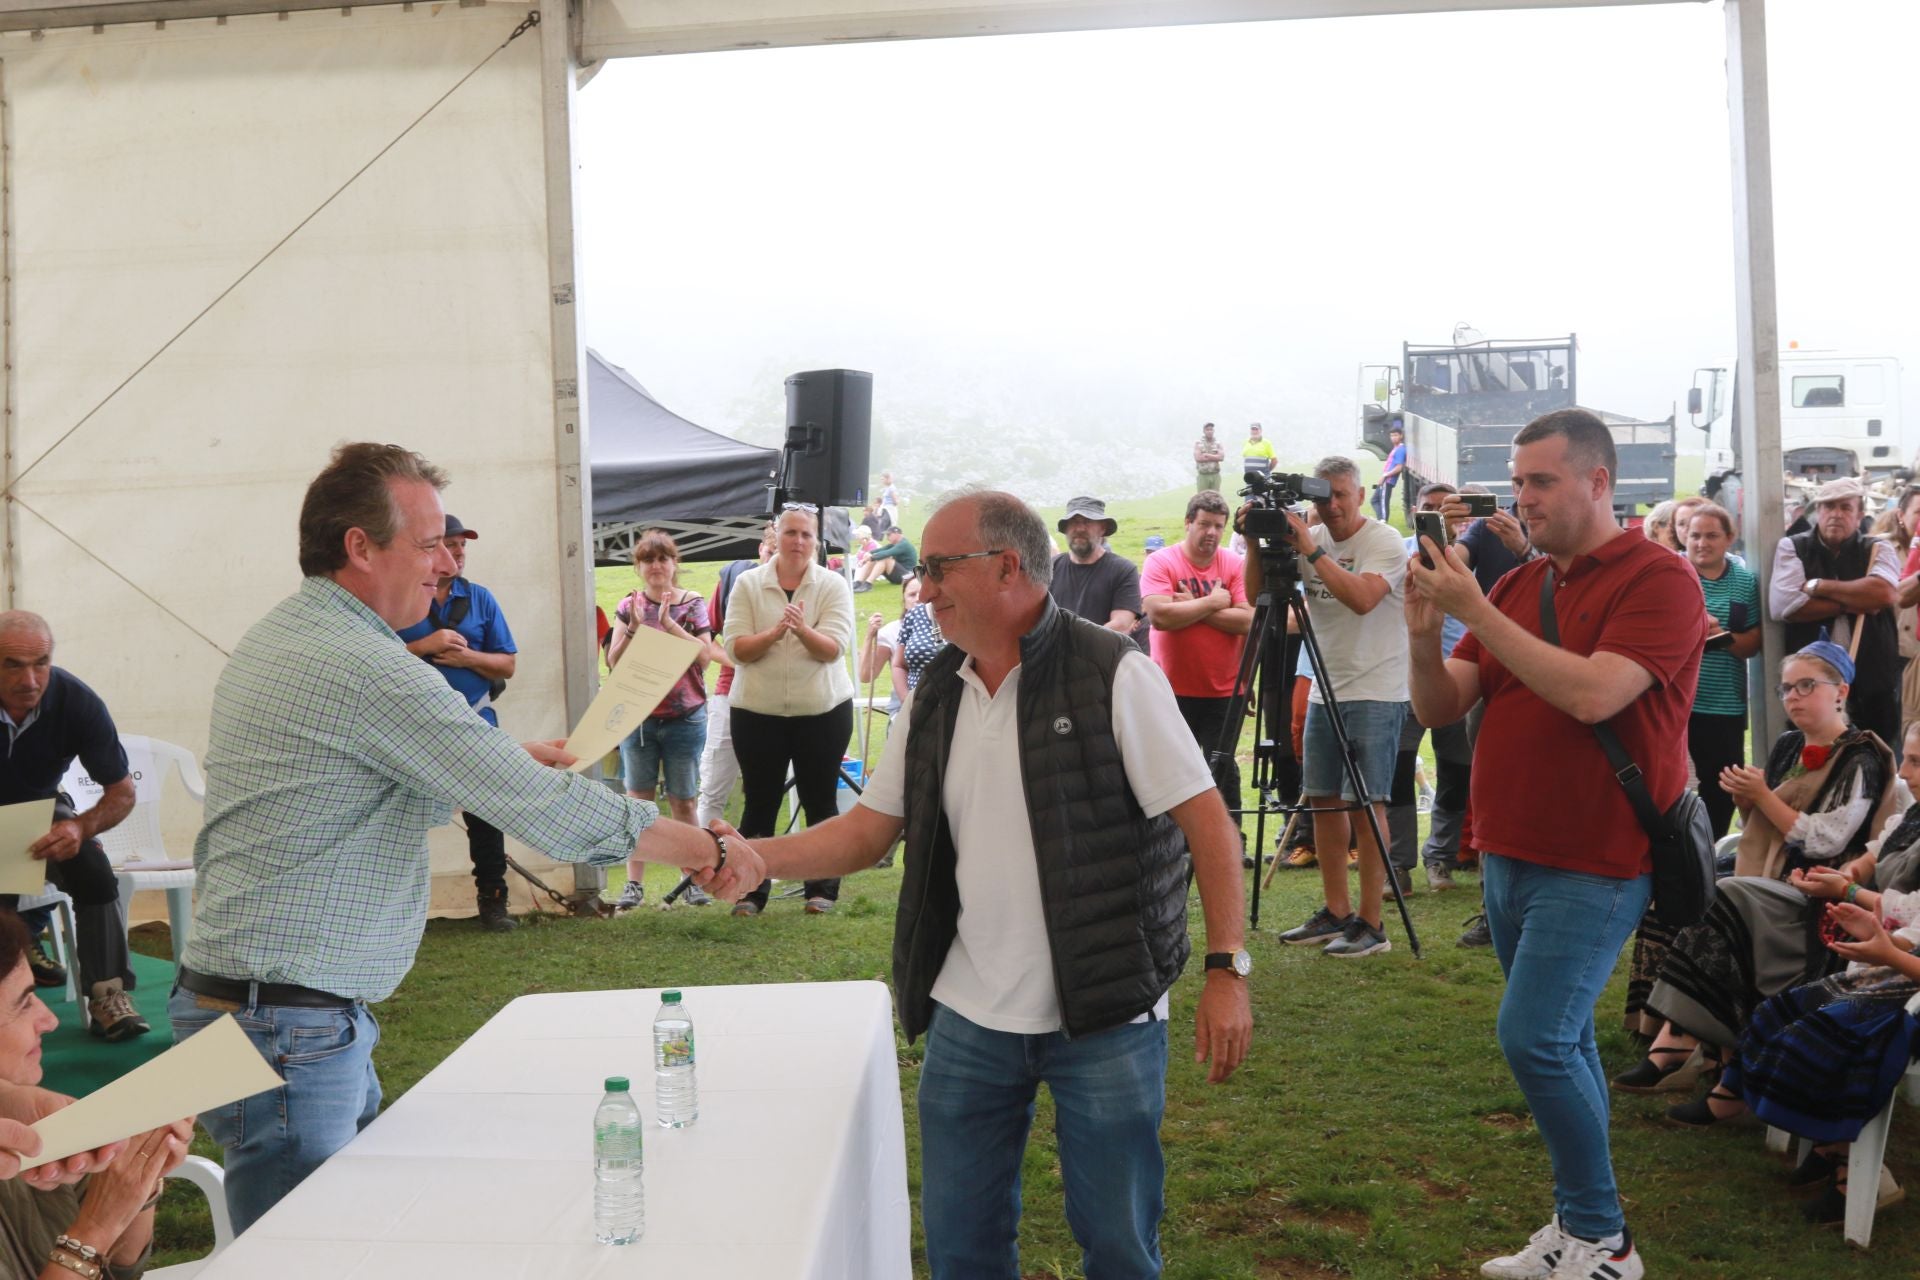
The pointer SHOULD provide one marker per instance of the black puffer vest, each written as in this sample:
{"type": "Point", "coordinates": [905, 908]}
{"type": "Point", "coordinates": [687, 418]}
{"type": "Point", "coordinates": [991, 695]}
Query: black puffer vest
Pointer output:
{"type": "Point", "coordinates": [1113, 882]}
{"type": "Point", "coordinates": [1877, 664]}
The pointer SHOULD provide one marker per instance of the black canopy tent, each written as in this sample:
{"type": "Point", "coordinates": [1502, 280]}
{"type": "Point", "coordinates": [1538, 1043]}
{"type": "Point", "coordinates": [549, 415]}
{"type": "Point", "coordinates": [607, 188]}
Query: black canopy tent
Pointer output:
{"type": "Point", "coordinates": [653, 469]}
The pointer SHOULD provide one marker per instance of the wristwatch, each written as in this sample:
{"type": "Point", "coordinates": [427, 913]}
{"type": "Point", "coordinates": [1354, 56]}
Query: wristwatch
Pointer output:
{"type": "Point", "coordinates": [1238, 963]}
{"type": "Point", "coordinates": [1811, 584]}
{"type": "Point", "coordinates": [1316, 554]}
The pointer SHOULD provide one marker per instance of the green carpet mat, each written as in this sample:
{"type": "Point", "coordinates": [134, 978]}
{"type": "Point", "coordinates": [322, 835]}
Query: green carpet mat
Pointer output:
{"type": "Point", "coordinates": [78, 1062]}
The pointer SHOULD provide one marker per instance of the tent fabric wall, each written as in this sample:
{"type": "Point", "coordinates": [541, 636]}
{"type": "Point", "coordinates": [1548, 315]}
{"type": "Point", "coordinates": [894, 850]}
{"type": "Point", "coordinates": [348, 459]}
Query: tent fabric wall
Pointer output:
{"type": "Point", "coordinates": [148, 170]}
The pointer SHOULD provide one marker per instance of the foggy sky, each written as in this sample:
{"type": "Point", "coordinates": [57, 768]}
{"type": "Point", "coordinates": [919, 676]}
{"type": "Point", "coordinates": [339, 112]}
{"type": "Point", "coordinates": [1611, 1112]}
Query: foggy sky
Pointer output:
{"type": "Point", "coordinates": [1059, 254]}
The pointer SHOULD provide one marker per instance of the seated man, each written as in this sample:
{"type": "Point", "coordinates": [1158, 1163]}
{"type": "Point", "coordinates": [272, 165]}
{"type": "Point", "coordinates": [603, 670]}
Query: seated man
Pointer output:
{"type": "Point", "coordinates": [51, 717]}
{"type": "Point", "coordinates": [893, 560]}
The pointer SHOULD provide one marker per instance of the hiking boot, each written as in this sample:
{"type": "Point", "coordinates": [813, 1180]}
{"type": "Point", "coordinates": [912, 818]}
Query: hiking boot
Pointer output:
{"type": "Point", "coordinates": [111, 1014]}
{"type": "Point", "coordinates": [695, 896]}
{"type": "Point", "coordinates": [632, 894]}
{"type": "Point", "coordinates": [1477, 934]}
{"type": "Point", "coordinates": [1321, 927]}
{"type": "Point", "coordinates": [1439, 879]}
{"type": "Point", "coordinates": [47, 972]}
{"type": "Point", "coordinates": [1300, 859]}
{"type": "Point", "coordinates": [1358, 939]}
{"type": "Point", "coordinates": [1403, 878]}
{"type": "Point", "coordinates": [494, 917]}
{"type": "Point", "coordinates": [819, 906]}
{"type": "Point", "coordinates": [1588, 1260]}
{"type": "Point", "coordinates": [1535, 1262]}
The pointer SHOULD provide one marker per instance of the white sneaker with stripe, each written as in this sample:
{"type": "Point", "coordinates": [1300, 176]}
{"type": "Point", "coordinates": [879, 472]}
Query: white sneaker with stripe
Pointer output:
{"type": "Point", "coordinates": [1535, 1262]}
{"type": "Point", "coordinates": [1586, 1260]}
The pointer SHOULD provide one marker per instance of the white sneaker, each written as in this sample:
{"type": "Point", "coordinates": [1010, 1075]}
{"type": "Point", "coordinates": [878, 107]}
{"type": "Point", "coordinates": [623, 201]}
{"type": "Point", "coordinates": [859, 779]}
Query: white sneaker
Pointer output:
{"type": "Point", "coordinates": [1536, 1261]}
{"type": "Point", "coordinates": [1585, 1260]}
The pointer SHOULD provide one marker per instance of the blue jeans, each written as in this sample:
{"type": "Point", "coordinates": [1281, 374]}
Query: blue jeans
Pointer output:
{"type": "Point", "coordinates": [273, 1140]}
{"type": "Point", "coordinates": [676, 743]}
{"type": "Point", "coordinates": [1373, 730]}
{"type": "Point", "coordinates": [1558, 935]}
{"type": "Point", "coordinates": [976, 1105]}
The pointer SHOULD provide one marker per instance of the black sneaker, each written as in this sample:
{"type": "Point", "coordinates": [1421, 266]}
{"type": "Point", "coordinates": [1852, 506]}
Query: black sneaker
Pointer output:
{"type": "Point", "coordinates": [1358, 939]}
{"type": "Point", "coordinates": [1477, 934]}
{"type": "Point", "coordinates": [1321, 928]}
{"type": "Point", "coordinates": [47, 972]}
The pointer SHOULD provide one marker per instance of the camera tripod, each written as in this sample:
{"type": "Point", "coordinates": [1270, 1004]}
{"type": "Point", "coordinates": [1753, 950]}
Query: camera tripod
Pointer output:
{"type": "Point", "coordinates": [1279, 594]}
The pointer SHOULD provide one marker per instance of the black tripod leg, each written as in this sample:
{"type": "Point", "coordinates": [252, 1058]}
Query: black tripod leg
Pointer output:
{"type": "Point", "coordinates": [1311, 645]}
{"type": "Point", "coordinates": [1223, 751]}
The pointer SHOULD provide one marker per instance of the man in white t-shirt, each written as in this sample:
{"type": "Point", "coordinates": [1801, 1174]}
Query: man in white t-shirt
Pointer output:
{"type": "Point", "coordinates": [1050, 794]}
{"type": "Point", "coordinates": [1352, 571]}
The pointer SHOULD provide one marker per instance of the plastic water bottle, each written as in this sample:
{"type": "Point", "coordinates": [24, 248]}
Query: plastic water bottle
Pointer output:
{"type": "Point", "coordinates": [619, 1184]}
{"type": "Point", "coordinates": [676, 1097]}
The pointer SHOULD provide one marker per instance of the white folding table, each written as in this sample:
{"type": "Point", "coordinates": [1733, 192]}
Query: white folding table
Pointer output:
{"type": "Point", "coordinates": [796, 1169]}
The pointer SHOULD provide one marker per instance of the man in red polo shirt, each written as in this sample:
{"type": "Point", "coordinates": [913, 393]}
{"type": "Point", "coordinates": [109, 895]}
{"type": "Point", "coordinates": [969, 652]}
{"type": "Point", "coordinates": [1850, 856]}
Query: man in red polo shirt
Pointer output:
{"type": "Point", "coordinates": [1564, 859]}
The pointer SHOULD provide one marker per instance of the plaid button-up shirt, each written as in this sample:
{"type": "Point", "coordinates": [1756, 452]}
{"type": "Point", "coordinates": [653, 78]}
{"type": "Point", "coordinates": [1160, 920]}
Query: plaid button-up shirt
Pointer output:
{"type": "Point", "coordinates": [333, 751]}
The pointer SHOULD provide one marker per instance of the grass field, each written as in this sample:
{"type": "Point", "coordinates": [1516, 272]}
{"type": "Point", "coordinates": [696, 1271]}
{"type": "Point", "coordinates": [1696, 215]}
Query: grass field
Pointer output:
{"type": "Point", "coordinates": [1374, 1132]}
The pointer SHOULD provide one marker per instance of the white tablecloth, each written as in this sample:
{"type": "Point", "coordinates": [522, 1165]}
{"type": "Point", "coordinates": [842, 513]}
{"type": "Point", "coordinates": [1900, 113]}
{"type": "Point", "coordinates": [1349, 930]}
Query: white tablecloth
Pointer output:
{"type": "Point", "coordinates": [484, 1170]}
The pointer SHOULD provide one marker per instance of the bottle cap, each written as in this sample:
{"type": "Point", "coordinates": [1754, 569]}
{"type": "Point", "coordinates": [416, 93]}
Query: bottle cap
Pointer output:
{"type": "Point", "coordinates": [669, 997]}
{"type": "Point", "coordinates": [616, 1084]}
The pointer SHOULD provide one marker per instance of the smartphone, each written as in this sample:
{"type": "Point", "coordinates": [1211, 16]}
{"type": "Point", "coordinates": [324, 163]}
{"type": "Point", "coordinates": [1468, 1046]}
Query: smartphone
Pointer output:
{"type": "Point", "coordinates": [1429, 524]}
{"type": "Point", "coordinates": [1480, 504]}
{"type": "Point", "coordinates": [1719, 640]}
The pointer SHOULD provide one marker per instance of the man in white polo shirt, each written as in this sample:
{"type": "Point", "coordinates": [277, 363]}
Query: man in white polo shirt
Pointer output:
{"type": "Point", "coordinates": [1050, 795]}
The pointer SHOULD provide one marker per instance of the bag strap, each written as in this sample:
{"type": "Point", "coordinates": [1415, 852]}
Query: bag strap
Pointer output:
{"type": "Point", "coordinates": [1625, 771]}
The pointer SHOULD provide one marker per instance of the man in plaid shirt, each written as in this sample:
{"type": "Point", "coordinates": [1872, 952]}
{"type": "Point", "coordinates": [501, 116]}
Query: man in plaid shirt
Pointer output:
{"type": "Point", "coordinates": [332, 752]}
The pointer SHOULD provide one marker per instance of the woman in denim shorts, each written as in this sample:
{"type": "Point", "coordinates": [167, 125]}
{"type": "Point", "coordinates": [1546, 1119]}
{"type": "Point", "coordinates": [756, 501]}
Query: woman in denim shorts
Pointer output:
{"type": "Point", "coordinates": [673, 737]}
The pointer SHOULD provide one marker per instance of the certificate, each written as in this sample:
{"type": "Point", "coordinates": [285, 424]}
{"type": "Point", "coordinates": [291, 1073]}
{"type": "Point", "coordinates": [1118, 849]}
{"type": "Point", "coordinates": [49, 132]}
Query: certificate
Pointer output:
{"type": "Point", "coordinates": [652, 662]}
{"type": "Point", "coordinates": [21, 825]}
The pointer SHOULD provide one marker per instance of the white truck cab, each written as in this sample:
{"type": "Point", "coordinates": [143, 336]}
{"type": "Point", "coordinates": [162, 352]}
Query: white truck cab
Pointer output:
{"type": "Point", "coordinates": [1839, 414]}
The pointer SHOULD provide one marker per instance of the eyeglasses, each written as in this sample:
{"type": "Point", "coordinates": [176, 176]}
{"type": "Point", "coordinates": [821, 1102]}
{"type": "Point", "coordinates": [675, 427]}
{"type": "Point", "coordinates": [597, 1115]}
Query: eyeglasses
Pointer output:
{"type": "Point", "coordinates": [935, 567]}
{"type": "Point", "coordinates": [1802, 687]}
{"type": "Point", "coordinates": [800, 506]}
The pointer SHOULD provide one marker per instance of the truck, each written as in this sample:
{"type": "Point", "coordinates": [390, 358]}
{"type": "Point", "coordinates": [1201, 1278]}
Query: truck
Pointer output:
{"type": "Point", "coordinates": [1461, 403]}
{"type": "Point", "coordinates": [1839, 416]}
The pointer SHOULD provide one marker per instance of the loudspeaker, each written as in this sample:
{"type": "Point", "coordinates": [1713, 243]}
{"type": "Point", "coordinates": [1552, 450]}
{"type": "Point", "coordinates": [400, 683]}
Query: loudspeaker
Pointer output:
{"type": "Point", "coordinates": [829, 428]}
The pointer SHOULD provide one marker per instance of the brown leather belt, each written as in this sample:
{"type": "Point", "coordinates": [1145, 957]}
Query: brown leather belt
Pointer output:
{"type": "Point", "coordinates": [242, 993]}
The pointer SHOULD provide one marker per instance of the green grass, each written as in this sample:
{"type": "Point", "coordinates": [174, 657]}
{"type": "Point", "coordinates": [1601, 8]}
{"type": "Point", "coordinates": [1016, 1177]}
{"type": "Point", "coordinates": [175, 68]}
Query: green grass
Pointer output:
{"type": "Point", "coordinates": [1374, 1132]}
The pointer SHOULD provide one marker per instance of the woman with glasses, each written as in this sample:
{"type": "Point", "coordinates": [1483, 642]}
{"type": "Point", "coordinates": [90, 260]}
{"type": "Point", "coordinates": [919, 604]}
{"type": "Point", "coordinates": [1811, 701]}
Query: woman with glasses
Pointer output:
{"type": "Point", "coordinates": [788, 631]}
{"type": "Point", "coordinates": [1827, 787]}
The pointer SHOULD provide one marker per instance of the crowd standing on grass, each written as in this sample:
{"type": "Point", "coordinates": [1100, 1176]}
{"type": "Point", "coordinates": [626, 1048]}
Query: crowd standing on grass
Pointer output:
{"type": "Point", "coordinates": [1058, 790]}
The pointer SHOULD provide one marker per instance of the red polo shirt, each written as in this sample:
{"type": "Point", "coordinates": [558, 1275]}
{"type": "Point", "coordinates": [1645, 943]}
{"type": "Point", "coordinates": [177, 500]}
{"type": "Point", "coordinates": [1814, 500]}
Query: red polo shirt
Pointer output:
{"type": "Point", "coordinates": [1542, 789]}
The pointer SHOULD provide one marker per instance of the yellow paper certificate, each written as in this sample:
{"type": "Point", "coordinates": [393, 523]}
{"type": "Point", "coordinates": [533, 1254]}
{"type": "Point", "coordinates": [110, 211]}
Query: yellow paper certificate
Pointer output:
{"type": "Point", "coordinates": [20, 826]}
{"type": "Point", "coordinates": [652, 662]}
{"type": "Point", "coordinates": [209, 1069]}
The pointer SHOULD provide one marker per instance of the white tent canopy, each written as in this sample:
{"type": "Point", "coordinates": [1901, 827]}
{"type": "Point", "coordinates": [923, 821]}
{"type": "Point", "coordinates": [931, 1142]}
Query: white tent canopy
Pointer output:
{"type": "Point", "coordinates": [240, 231]}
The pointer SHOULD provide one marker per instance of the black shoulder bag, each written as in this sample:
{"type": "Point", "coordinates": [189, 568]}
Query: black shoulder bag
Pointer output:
{"type": "Point", "coordinates": [1681, 839]}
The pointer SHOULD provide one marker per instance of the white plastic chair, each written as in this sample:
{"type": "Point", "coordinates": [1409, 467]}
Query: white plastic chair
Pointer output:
{"type": "Point", "coordinates": [1866, 1155]}
{"type": "Point", "coordinates": [135, 847]}
{"type": "Point", "coordinates": [65, 937]}
{"type": "Point", "coordinates": [211, 1179]}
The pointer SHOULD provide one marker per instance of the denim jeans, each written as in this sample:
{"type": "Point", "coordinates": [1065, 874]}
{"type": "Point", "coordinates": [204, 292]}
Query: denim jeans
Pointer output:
{"type": "Point", "coordinates": [676, 744]}
{"type": "Point", "coordinates": [1558, 935]}
{"type": "Point", "coordinates": [271, 1141]}
{"type": "Point", "coordinates": [976, 1106]}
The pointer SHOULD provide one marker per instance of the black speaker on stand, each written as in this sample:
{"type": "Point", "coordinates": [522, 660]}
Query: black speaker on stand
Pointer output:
{"type": "Point", "coordinates": [829, 432]}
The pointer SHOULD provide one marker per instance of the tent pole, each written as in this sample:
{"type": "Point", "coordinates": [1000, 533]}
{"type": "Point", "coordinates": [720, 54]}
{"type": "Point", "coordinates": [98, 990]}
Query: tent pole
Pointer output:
{"type": "Point", "coordinates": [1756, 398]}
{"type": "Point", "coordinates": [9, 433]}
{"type": "Point", "coordinates": [580, 651]}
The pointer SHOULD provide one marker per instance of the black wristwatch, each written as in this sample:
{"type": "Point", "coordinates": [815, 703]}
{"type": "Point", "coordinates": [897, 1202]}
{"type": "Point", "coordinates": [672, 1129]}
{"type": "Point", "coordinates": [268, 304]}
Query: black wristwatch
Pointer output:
{"type": "Point", "coordinates": [1316, 553]}
{"type": "Point", "coordinates": [1238, 963]}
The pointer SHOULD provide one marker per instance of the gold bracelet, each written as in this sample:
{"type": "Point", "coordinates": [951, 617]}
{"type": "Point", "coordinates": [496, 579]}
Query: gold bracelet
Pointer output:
{"type": "Point", "coordinates": [76, 1264]}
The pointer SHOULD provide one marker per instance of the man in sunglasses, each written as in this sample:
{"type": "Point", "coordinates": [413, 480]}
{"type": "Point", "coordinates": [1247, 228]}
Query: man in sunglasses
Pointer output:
{"type": "Point", "coordinates": [1050, 797]}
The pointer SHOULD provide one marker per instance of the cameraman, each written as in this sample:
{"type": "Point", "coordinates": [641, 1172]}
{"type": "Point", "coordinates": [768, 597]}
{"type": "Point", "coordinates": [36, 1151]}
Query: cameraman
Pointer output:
{"type": "Point", "coordinates": [1350, 568]}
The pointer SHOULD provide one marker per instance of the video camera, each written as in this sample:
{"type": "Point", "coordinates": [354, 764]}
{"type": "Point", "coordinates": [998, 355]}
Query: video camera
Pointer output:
{"type": "Point", "coordinates": [1270, 493]}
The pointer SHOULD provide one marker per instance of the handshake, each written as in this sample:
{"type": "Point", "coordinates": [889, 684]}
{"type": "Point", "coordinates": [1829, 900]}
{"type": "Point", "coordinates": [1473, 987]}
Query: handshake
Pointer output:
{"type": "Point", "coordinates": [735, 870]}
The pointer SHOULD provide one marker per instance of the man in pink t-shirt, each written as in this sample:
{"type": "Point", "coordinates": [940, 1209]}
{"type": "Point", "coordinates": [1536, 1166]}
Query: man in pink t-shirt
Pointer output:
{"type": "Point", "coordinates": [1195, 596]}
